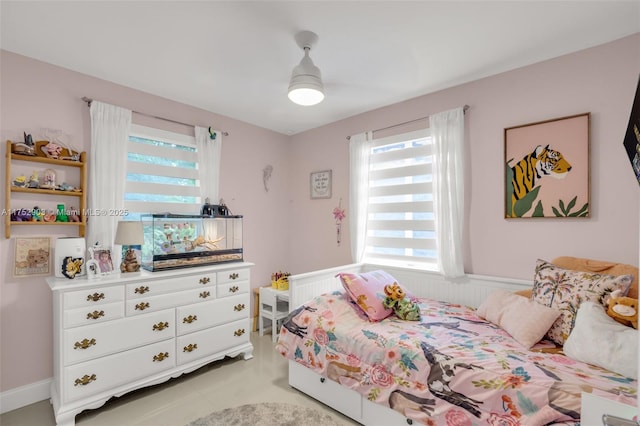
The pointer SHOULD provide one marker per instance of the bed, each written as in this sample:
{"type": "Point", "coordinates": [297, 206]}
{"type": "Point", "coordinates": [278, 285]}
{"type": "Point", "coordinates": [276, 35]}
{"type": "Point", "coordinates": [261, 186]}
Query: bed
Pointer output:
{"type": "Point", "coordinates": [453, 366]}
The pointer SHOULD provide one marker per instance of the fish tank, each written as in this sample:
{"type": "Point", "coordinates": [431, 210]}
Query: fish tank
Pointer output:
{"type": "Point", "coordinates": [173, 241]}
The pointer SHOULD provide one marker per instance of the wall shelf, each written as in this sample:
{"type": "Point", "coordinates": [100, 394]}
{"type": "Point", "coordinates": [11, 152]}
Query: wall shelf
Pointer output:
{"type": "Point", "coordinates": [11, 189]}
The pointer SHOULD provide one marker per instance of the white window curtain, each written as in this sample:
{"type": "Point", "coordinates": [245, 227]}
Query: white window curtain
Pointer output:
{"type": "Point", "coordinates": [359, 154]}
{"type": "Point", "coordinates": [209, 154]}
{"type": "Point", "coordinates": [110, 126]}
{"type": "Point", "coordinates": [447, 131]}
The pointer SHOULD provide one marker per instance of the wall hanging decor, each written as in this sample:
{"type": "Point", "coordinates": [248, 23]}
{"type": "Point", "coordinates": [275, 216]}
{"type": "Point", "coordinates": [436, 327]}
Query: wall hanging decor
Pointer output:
{"type": "Point", "coordinates": [547, 168]}
{"type": "Point", "coordinates": [632, 137]}
{"type": "Point", "coordinates": [321, 184]}
{"type": "Point", "coordinates": [338, 216]}
{"type": "Point", "coordinates": [32, 256]}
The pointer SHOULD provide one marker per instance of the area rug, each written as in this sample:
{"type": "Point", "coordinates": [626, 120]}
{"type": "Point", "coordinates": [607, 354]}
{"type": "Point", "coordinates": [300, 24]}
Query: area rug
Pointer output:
{"type": "Point", "coordinates": [267, 414]}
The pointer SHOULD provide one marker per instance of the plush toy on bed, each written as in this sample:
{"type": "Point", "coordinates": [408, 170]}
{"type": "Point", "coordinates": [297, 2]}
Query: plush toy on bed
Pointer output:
{"type": "Point", "coordinates": [623, 309]}
{"type": "Point", "coordinates": [404, 308]}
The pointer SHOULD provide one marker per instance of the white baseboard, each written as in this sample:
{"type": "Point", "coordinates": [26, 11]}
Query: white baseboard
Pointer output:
{"type": "Point", "coordinates": [25, 395]}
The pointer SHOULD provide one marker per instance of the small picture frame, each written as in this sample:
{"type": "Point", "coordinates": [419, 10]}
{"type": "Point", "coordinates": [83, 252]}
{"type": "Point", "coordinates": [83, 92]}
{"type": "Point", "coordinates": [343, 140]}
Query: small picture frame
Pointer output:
{"type": "Point", "coordinates": [320, 184]}
{"type": "Point", "coordinates": [105, 262]}
{"type": "Point", "coordinates": [32, 256]}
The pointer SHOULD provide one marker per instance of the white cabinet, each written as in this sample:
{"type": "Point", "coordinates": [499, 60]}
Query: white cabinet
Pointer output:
{"type": "Point", "coordinates": [126, 331]}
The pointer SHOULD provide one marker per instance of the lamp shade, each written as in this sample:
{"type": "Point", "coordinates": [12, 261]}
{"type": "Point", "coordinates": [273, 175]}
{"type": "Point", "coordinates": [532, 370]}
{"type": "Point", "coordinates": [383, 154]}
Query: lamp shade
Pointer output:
{"type": "Point", "coordinates": [129, 233]}
{"type": "Point", "coordinates": [305, 87]}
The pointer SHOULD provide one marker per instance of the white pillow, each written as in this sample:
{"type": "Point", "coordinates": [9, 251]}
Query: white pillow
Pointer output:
{"type": "Point", "coordinates": [525, 320]}
{"type": "Point", "coordinates": [600, 340]}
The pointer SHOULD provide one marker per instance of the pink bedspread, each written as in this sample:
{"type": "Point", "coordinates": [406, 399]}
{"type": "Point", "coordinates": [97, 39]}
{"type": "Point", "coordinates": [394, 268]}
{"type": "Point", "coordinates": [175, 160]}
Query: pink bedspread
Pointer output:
{"type": "Point", "coordinates": [450, 368]}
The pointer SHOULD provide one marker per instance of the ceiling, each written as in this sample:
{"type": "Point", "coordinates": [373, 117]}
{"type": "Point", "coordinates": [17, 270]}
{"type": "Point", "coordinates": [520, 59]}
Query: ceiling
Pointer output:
{"type": "Point", "coordinates": [235, 58]}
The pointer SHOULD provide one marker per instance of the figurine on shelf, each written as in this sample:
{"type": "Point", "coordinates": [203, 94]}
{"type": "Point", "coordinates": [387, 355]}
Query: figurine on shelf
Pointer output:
{"type": "Point", "coordinates": [20, 181]}
{"type": "Point", "coordinates": [64, 186]}
{"type": "Point", "coordinates": [21, 215]}
{"type": "Point", "coordinates": [33, 180]}
{"type": "Point", "coordinates": [74, 215]}
{"type": "Point", "coordinates": [49, 179]}
{"type": "Point", "coordinates": [52, 150]}
{"type": "Point", "coordinates": [61, 215]}
{"type": "Point", "coordinates": [37, 215]}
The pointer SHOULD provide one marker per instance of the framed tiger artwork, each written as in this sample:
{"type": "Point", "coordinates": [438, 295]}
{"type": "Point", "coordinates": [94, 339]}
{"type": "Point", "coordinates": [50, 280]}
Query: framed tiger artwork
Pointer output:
{"type": "Point", "coordinates": [547, 168]}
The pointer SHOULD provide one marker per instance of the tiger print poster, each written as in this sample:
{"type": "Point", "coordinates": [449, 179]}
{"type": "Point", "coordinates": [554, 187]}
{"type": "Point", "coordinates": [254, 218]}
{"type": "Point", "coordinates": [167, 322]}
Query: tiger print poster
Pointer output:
{"type": "Point", "coordinates": [547, 168]}
{"type": "Point", "coordinates": [632, 137]}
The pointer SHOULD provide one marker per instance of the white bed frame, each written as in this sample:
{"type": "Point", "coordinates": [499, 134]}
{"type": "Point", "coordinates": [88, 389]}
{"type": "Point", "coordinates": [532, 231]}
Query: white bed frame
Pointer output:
{"type": "Point", "coordinates": [470, 290]}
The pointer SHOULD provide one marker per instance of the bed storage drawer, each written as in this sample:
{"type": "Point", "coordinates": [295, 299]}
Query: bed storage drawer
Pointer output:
{"type": "Point", "coordinates": [380, 415]}
{"type": "Point", "coordinates": [347, 401]}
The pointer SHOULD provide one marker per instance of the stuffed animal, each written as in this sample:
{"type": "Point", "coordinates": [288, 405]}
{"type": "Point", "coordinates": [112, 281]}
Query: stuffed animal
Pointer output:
{"type": "Point", "coordinates": [404, 308]}
{"type": "Point", "coordinates": [623, 309]}
{"type": "Point", "coordinates": [130, 262]}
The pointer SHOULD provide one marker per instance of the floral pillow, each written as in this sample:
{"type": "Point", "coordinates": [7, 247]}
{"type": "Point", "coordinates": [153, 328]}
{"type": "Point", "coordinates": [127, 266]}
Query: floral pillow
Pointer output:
{"type": "Point", "coordinates": [565, 290]}
{"type": "Point", "coordinates": [367, 291]}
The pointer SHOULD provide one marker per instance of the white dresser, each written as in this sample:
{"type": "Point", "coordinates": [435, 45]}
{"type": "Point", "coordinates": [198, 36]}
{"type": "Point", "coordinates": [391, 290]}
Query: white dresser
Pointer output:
{"type": "Point", "coordinates": [125, 331]}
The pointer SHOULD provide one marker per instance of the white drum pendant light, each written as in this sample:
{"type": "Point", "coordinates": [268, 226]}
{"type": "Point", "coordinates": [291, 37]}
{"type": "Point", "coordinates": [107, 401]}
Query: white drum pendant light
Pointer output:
{"type": "Point", "coordinates": [306, 86]}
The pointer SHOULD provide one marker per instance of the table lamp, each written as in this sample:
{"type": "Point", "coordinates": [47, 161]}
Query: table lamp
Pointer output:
{"type": "Point", "coordinates": [129, 234]}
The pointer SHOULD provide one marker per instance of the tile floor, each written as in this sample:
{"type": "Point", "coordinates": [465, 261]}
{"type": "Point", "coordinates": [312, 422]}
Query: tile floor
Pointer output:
{"type": "Point", "coordinates": [222, 384]}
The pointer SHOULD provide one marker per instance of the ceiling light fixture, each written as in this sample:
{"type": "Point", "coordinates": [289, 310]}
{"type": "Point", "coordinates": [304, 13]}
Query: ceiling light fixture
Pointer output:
{"type": "Point", "coordinates": [305, 87]}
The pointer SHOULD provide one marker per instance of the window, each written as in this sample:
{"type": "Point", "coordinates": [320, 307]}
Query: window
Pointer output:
{"type": "Point", "coordinates": [400, 222]}
{"type": "Point", "coordinates": [162, 173]}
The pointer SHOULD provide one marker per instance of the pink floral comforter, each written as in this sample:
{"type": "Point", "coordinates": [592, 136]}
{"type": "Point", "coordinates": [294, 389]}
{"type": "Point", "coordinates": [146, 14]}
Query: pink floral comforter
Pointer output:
{"type": "Point", "coordinates": [449, 368]}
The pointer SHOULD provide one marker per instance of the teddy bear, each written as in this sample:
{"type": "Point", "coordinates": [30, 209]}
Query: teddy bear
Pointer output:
{"type": "Point", "coordinates": [130, 262]}
{"type": "Point", "coordinates": [404, 308]}
{"type": "Point", "coordinates": [623, 309]}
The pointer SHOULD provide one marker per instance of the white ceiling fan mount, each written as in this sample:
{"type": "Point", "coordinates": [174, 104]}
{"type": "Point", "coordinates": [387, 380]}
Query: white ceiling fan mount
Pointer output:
{"type": "Point", "coordinates": [305, 87]}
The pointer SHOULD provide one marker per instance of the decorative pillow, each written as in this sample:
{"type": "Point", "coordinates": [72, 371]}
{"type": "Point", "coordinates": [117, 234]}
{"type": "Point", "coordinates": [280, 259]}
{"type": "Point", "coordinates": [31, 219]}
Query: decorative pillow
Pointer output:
{"type": "Point", "coordinates": [524, 319]}
{"type": "Point", "coordinates": [599, 340]}
{"type": "Point", "coordinates": [565, 290]}
{"type": "Point", "coordinates": [367, 291]}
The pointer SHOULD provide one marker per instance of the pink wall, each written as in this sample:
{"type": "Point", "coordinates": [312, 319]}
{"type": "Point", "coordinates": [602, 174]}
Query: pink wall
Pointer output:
{"type": "Point", "coordinates": [37, 95]}
{"type": "Point", "coordinates": [286, 230]}
{"type": "Point", "coordinates": [600, 80]}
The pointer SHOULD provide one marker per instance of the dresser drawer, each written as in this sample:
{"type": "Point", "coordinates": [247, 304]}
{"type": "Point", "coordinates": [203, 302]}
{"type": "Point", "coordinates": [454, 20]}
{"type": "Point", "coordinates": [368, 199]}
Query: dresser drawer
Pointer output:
{"type": "Point", "coordinates": [171, 285]}
{"type": "Point", "coordinates": [92, 341]}
{"type": "Point", "coordinates": [203, 315]}
{"type": "Point", "coordinates": [233, 275]}
{"type": "Point", "coordinates": [93, 314]}
{"type": "Point", "coordinates": [92, 297]}
{"type": "Point", "coordinates": [147, 304]}
{"type": "Point", "coordinates": [208, 342]}
{"type": "Point", "coordinates": [232, 289]}
{"type": "Point", "coordinates": [91, 377]}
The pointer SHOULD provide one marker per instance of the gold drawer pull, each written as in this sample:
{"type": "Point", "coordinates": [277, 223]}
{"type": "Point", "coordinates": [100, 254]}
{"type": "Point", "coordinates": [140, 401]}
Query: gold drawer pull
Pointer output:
{"type": "Point", "coordinates": [190, 319]}
{"type": "Point", "coordinates": [190, 347]}
{"type": "Point", "coordinates": [238, 332]}
{"type": "Point", "coordinates": [160, 326]}
{"type": "Point", "coordinates": [142, 289]}
{"type": "Point", "coordinates": [234, 276]}
{"type": "Point", "coordinates": [238, 307]}
{"type": "Point", "coordinates": [205, 280]}
{"type": "Point", "coordinates": [95, 315]}
{"type": "Point", "coordinates": [161, 356]}
{"type": "Point", "coordinates": [142, 306]}
{"type": "Point", "coordinates": [85, 380]}
{"type": "Point", "coordinates": [234, 289]}
{"type": "Point", "coordinates": [205, 294]}
{"type": "Point", "coordinates": [95, 297]}
{"type": "Point", "coordinates": [84, 344]}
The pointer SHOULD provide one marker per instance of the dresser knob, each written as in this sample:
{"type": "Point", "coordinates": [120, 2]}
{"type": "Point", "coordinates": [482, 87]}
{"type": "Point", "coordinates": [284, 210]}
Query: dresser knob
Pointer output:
{"type": "Point", "coordinates": [95, 315]}
{"type": "Point", "coordinates": [95, 297]}
{"type": "Point", "coordinates": [160, 357]}
{"type": "Point", "coordinates": [84, 344]}
{"type": "Point", "coordinates": [238, 307]}
{"type": "Point", "coordinates": [205, 294]}
{"type": "Point", "coordinates": [238, 332]}
{"type": "Point", "coordinates": [234, 276]}
{"type": "Point", "coordinates": [190, 347]}
{"type": "Point", "coordinates": [205, 280]}
{"type": "Point", "coordinates": [142, 306]}
{"type": "Point", "coordinates": [189, 319]}
{"type": "Point", "coordinates": [85, 380]}
{"type": "Point", "coordinates": [142, 289]}
{"type": "Point", "coordinates": [160, 326]}
{"type": "Point", "coordinates": [234, 289]}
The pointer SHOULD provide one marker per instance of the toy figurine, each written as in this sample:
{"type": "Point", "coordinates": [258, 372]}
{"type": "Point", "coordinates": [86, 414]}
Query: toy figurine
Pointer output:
{"type": "Point", "coordinates": [20, 181]}
{"type": "Point", "coordinates": [74, 215]}
{"type": "Point", "coordinates": [37, 215]}
{"type": "Point", "coordinates": [33, 180]}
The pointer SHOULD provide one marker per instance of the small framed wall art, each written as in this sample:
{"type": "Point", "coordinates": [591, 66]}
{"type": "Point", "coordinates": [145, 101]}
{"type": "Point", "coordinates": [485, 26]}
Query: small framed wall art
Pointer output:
{"type": "Point", "coordinates": [321, 184]}
{"type": "Point", "coordinates": [32, 256]}
{"type": "Point", "coordinates": [547, 168]}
